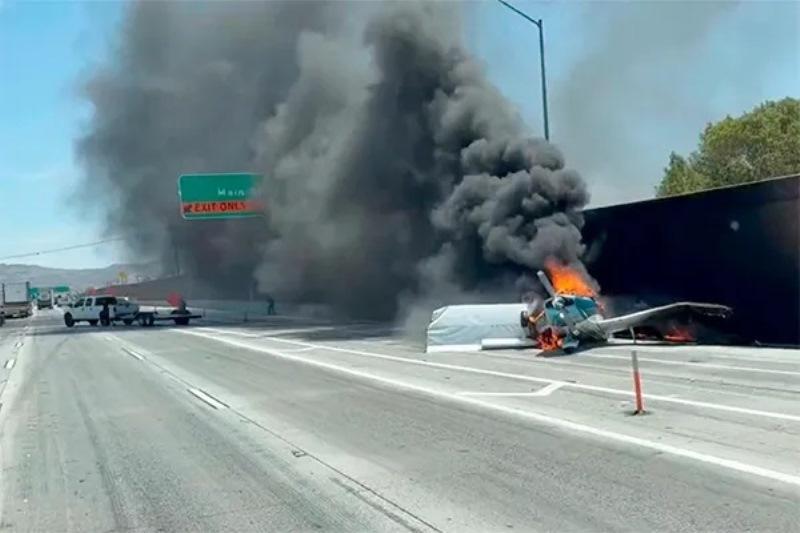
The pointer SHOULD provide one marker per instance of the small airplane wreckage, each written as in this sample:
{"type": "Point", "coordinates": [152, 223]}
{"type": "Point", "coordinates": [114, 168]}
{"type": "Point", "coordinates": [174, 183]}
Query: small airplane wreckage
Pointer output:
{"type": "Point", "coordinates": [573, 315]}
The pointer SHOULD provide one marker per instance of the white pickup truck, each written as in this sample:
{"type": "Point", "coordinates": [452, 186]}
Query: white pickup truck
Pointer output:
{"type": "Point", "coordinates": [91, 309]}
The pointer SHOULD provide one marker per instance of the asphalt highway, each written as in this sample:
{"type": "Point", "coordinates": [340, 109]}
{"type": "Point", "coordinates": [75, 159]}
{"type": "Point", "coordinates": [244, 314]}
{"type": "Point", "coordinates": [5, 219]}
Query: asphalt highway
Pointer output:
{"type": "Point", "coordinates": [296, 425]}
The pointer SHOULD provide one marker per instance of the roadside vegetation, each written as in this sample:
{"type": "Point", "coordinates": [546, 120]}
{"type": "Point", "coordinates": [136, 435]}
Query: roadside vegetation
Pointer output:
{"type": "Point", "coordinates": [757, 145]}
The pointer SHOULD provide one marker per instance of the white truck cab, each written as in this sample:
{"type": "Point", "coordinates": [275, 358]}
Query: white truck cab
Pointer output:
{"type": "Point", "coordinates": [90, 309]}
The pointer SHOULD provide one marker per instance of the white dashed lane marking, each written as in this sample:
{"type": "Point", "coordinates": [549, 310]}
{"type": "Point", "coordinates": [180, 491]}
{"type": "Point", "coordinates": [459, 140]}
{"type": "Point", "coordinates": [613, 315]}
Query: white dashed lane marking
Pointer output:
{"type": "Point", "coordinates": [206, 398]}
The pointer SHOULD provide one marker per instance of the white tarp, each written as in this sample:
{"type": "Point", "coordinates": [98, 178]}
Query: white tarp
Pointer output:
{"type": "Point", "coordinates": [473, 327]}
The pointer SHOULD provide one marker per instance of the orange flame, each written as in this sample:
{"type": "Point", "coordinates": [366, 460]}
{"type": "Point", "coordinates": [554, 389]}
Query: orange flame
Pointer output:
{"type": "Point", "coordinates": [567, 280]}
{"type": "Point", "coordinates": [548, 340]}
{"type": "Point", "coordinates": [677, 334]}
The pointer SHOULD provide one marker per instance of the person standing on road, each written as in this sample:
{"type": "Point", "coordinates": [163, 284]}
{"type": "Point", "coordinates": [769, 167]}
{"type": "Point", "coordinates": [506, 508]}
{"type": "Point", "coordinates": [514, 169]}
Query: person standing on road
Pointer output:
{"type": "Point", "coordinates": [105, 318]}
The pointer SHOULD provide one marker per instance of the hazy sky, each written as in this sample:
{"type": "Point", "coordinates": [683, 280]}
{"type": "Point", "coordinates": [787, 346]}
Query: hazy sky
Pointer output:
{"type": "Point", "coordinates": [44, 48]}
{"type": "Point", "coordinates": [628, 83]}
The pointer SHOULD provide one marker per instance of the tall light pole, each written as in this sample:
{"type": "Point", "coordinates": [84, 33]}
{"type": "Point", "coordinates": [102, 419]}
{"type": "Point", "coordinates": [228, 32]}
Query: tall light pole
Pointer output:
{"type": "Point", "coordinates": [540, 25]}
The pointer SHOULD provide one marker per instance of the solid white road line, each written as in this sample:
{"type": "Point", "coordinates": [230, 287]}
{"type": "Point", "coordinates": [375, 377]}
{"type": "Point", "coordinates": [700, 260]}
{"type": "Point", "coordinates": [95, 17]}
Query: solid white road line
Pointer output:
{"type": "Point", "coordinates": [524, 377]}
{"type": "Point", "coordinates": [454, 348]}
{"type": "Point", "coordinates": [234, 332]}
{"type": "Point", "coordinates": [477, 347]}
{"type": "Point", "coordinates": [10, 364]}
{"type": "Point", "coordinates": [545, 419]}
{"type": "Point", "coordinates": [308, 329]}
{"type": "Point", "coordinates": [544, 391]}
{"type": "Point", "coordinates": [548, 390]}
{"type": "Point", "coordinates": [690, 364]}
{"type": "Point", "coordinates": [206, 398]}
{"type": "Point", "coordinates": [689, 383]}
{"type": "Point", "coordinates": [498, 394]}
{"type": "Point", "coordinates": [298, 350]}
{"type": "Point", "coordinates": [681, 350]}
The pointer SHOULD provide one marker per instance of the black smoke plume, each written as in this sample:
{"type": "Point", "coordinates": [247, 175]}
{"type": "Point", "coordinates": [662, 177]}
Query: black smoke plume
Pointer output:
{"type": "Point", "coordinates": [393, 170]}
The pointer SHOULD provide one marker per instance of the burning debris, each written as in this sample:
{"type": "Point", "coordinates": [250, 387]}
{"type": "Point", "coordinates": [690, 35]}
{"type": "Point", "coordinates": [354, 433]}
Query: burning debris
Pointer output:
{"type": "Point", "coordinates": [566, 280]}
{"type": "Point", "coordinates": [679, 334]}
{"type": "Point", "coordinates": [573, 315]}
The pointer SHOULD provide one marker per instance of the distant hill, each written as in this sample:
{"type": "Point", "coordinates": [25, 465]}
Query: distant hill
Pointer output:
{"type": "Point", "coordinates": [77, 279]}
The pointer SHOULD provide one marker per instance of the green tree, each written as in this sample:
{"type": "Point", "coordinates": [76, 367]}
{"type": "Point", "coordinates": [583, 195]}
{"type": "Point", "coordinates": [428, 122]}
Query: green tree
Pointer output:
{"type": "Point", "coordinates": [680, 176]}
{"type": "Point", "coordinates": [761, 144]}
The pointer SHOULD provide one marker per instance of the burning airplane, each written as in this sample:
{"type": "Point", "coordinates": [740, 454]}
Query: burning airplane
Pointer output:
{"type": "Point", "coordinates": [573, 314]}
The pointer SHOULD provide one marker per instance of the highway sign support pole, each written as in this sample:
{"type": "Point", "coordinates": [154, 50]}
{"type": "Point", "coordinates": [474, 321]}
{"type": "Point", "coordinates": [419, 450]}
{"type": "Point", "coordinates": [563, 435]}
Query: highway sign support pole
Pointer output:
{"type": "Point", "coordinates": [249, 302]}
{"type": "Point", "coordinates": [177, 259]}
{"type": "Point", "coordinates": [637, 383]}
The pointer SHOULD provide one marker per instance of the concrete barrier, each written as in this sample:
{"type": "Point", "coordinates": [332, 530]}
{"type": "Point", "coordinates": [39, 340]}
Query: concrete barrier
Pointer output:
{"type": "Point", "coordinates": [238, 311]}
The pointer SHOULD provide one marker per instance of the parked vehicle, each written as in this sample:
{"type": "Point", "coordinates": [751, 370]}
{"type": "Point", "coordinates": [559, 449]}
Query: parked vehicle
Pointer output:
{"type": "Point", "coordinates": [105, 309]}
{"type": "Point", "coordinates": [45, 299]}
{"type": "Point", "coordinates": [16, 299]}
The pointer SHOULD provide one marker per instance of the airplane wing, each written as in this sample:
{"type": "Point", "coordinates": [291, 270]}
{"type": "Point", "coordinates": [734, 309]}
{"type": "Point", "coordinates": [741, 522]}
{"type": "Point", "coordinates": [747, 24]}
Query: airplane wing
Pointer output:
{"type": "Point", "coordinates": [639, 318]}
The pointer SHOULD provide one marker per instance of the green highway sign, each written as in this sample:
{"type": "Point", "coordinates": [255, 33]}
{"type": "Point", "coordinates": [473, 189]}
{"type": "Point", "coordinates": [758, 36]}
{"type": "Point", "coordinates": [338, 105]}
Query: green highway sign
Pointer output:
{"type": "Point", "coordinates": [210, 196]}
{"type": "Point", "coordinates": [34, 292]}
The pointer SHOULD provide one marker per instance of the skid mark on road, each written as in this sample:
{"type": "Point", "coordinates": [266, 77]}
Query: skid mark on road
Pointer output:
{"type": "Point", "coordinates": [537, 417]}
{"type": "Point", "coordinates": [108, 478]}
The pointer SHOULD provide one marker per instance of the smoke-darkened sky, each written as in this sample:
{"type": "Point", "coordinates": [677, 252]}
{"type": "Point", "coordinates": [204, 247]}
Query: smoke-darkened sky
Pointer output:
{"type": "Point", "coordinates": [652, 74]}
{"type": "Point", "coordinates": [394, 169]}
